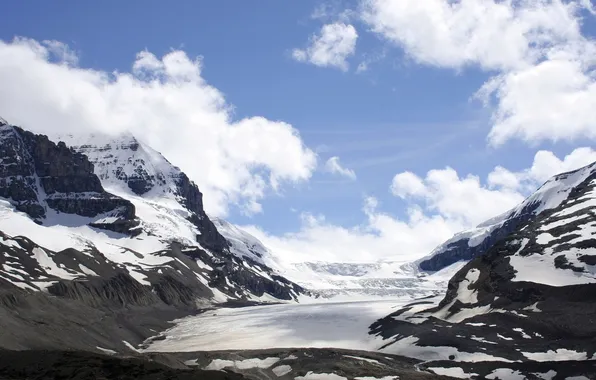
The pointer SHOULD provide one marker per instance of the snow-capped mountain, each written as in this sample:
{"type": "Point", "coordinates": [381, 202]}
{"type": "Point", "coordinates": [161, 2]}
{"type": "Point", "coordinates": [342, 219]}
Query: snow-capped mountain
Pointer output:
{"type": "Point", "coordinates": [471, 243]}
{"type": "Point", "coordinates": [144, 242]}
{"type": "Point", "coordinates": [529, 297]}
{"type": "Point", "coordinates": [337, 280]}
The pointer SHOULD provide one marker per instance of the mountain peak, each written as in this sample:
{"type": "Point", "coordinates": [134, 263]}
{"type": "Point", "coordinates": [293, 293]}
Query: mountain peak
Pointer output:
{"type": "Point", "coordinates": [37, 175]}
{"type": "Point", "coordinates": [126, 163]}
{"type": "Point", "coordinates": [129, 167]}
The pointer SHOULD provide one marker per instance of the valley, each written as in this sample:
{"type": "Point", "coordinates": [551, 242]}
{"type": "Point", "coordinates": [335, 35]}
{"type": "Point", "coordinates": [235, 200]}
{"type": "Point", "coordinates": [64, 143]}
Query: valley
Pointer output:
{"type": "Point", "coordinates": [109, 259]}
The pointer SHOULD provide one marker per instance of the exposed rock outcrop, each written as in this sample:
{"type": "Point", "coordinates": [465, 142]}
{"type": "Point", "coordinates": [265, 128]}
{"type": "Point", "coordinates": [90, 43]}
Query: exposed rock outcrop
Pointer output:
{"type": "Point", "coordinates": [37, 175]}
{"type": "Point", "coordinates": [125, 162]}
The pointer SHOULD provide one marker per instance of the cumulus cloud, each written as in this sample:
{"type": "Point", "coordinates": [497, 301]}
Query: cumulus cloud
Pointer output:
{"type": "Point", "coordinates": [439, 204]}
{"type": "Point", "coordinates": [331, 47]}
{"type": "Point", "coordinates": [164, 101]}
{"type": "Point", "coordinates": [380, 237]}
{"type": "Point", "coordinates": [544, 84]}
{"type": "Point", "coordinates": [551, 100]}
{"type": "Point", "coordinates": [463, 199]}
{"type": "Point", "coordinates": [489, 33]}
{"type": "Point", "coordinates": [333, 166]}
{"type": "Point", "coordinates": [545, 165]}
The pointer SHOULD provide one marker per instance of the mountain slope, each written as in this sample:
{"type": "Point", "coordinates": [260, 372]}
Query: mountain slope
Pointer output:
{"type": "Point", "coordinates": [147, 245]}
{"type": "Point", "coordinates": [530, 297]}
{"type": "Point", "coordinates": [469, 244]}
{"type": "Point", "coordinates": [131, 168]}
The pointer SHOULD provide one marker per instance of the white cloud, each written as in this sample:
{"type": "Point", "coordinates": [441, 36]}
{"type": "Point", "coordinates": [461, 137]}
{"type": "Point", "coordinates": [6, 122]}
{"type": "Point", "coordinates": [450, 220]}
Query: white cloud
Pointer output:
{"type": "Point", "coordinates": [331, 47]}
{"type": "Point", "coordinates": [544, 84]}
{"type": "Point", "coordinates": [545, 165]}
{"type": "Point", "coordinates": [438, 206]}
{"type": "Point", "coordinates": [551, 100]}
{"type": "Point", "coordinates": [380, 237]}
{"type": "Point", "coordinates": [334, 166]}
{"type": "Point", "coordinates": [164, 101]}
{"type": "Point", "coordinates": [464, 200]}
{"type": "Point", "coordinates": [490, 33]}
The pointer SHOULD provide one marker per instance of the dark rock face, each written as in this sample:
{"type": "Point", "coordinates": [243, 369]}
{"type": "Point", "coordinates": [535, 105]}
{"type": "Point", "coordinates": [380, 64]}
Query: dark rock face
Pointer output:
{"type": "Point", "coordinates": [192, 199]}
{"type": "Point", "coordinates": [126, 160]}
{"type": "Point", "coordinates": [86, 365]}
{"type": "Point", "coordinates": [37, 174]}
{"type": "Point", "coordinates": [228, 268]}
{"type": "Point", "coordinates": [461, 250]}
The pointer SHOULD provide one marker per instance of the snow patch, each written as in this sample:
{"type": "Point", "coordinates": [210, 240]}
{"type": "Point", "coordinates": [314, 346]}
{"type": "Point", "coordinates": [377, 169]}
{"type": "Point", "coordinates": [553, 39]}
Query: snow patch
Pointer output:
{"type": "Point", "coordinates": [106, 350]}
{"type": "Point", "coordinates": [282, 370]}
{"type": "Point", "coordinates": [560, 354]}
{"type": "Point", "coordinates": [363, 359]}
{"type": "Point", "coordinates": [546, 375]}
{"type": "Point", "coordinates": [505, 374]}
{"type": "Point", "coordinates": [452, 371]}
{"type": "Point", "coordinates": [320, 376]}
{"type": "Point", "coordinates": [219, 364]}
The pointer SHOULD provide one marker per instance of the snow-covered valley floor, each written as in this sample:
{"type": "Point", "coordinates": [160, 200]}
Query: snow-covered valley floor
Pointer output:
{"type": "Point", "coordinates": [318, 325]}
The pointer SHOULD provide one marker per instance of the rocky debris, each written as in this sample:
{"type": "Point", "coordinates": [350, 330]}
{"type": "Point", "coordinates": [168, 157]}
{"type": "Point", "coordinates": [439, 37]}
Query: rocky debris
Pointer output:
{"type": "Point", "coordinates": [32, 365]}
{"type": "Point", "coordinates": [37, 174]}
{"type": "Point", "coordinates": [297, 362]}
{"type": "Point", "coordinates": [529, 297]}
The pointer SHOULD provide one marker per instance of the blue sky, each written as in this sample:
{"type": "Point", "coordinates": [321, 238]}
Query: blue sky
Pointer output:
{"type": "Point", "coordinates": [406, 112]}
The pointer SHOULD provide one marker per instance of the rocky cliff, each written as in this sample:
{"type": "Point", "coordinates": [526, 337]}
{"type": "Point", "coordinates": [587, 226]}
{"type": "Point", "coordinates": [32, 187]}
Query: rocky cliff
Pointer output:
{"type": "Point", "coordinates": [126, 164]}
{"type": "Point", "coordinates": [38, 176]}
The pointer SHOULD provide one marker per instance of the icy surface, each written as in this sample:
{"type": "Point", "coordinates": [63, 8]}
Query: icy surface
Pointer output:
{"type": "Point", "coordinates": [219, 364]}
{"type": "Point", "coordinates": [560, 354]}
{"type": "Point", "coordinates": [546, 375]}
{"type": "Point", "coordinates": [505, 374]}
{"type": "Point", "coordinates": [106, 350]}
{"type": "Point", "coordinates": [339, 325]}
{"type": "Point", "coordinates": [282, 370]}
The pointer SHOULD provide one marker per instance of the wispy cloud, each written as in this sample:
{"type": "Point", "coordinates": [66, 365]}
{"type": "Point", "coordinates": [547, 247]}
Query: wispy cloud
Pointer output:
{"type": "Point", "coordinates": [333, 166]}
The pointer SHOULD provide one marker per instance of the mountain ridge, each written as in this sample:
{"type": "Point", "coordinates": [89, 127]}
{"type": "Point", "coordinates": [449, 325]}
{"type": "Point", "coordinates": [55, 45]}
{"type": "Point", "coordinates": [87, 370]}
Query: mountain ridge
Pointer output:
{"type": "Point", "coordinates": [529, 297]}
{"type": "Point", "coordinates": [58, 250]}
{"type": "Point", "coordinates": [468, 244]}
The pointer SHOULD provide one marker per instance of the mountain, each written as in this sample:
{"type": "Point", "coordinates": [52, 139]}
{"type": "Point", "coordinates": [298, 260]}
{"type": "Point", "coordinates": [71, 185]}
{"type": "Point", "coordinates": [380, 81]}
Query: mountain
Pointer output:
{"type": "Point", "coordinates": [530, 297]}
{"type": "Point", "coordinates": [471, 243]}
{"type": "Point", "coordinates": [43, 179]}
{"type": "Point", "coordinates": [103, 242]}
{"type": "Point", "coordinates": [337, 280]}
